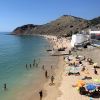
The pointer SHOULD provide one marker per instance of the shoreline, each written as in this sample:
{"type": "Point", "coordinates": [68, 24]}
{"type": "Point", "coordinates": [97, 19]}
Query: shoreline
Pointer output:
{"type": "Point", "coordinates": [53, 90]}
{"type": "Point", "coordinates": [33, 92]}
{"type": "Point", "coordinates": [45, 85]}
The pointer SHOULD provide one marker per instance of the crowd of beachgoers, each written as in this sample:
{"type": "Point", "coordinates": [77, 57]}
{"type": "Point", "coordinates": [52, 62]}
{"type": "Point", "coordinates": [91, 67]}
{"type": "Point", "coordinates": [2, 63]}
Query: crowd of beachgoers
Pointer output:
{"type": "Point", "coordinates": [57, 42]}
{"type": "Point", "coordinates": [80, 77]}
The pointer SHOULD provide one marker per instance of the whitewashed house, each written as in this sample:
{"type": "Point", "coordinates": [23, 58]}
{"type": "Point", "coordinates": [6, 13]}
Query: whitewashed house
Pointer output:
{"type": "Point", "coordinates": [78, 39]}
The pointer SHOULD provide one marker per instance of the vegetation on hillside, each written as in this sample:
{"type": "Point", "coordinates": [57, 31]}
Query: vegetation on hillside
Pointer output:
{"type": "Point", "coordinates": [65, 26]}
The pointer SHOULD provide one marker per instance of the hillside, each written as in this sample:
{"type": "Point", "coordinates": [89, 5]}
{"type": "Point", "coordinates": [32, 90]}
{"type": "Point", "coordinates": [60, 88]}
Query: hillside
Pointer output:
{"type": "Point", "coordinates": [64, 25]}
{"type": "Point", "coordinates": [95, 21]}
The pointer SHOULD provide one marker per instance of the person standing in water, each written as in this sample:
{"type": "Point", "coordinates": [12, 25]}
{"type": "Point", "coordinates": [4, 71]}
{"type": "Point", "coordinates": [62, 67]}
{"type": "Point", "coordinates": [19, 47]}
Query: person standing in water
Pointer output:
{"type": "Point", "coordinates": [5, 87]}
{"type": "Point", "coordinates": [26, 66]}
{"type": "Point", "coordinates": [30, 65]}
{"type": "Point", "coordinates": [34, 62]}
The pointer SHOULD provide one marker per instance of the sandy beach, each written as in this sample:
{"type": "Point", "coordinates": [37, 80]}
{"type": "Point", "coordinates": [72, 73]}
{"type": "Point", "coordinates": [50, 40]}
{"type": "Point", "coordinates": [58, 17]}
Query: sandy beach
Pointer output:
{"type": "Point", "coordinates": [63, 90]}
{"type": "Point", "coordinates": [70, 93]}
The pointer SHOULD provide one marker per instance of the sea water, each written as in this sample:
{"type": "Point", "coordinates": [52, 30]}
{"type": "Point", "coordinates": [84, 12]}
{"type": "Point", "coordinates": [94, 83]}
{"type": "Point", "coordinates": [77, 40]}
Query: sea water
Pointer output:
{"type": "Point", "coordinates": [15, 53]}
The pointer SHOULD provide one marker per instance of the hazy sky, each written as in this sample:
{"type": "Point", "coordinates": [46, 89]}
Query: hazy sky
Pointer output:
{"type": "Point", "coordinates": [14, 13]}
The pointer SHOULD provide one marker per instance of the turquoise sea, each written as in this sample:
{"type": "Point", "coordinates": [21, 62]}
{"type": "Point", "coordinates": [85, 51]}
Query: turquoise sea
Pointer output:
{"type": "Point", "coordinates": [15, 53]}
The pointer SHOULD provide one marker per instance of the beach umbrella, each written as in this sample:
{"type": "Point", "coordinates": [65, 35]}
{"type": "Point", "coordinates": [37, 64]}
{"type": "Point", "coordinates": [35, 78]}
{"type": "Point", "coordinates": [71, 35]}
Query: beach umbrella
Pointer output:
{"type": "Point", "coordinates": [90, 87]}
{"type": "Point", "coordinates": [96, 80]}
{"type": "Point", "coordinates": [80, 83]}
{"type": "Point", "coordinates": [74, 69]}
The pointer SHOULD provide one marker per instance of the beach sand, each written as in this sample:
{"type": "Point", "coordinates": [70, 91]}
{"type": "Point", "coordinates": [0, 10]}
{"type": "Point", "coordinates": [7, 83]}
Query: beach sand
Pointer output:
{"type": "Point", "coordinates": [92, 52]}
{"type": "Point", "coordinates": [70, 93]}
{"type": "Point", "coordinates": [63, 90]}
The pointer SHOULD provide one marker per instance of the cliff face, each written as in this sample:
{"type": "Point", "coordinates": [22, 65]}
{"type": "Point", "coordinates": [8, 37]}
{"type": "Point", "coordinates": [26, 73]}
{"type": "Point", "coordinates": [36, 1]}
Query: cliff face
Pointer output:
{"type": "Point", "coordinates": [65, 25]}
{"type": "Point", "coordinates": [25, 29]}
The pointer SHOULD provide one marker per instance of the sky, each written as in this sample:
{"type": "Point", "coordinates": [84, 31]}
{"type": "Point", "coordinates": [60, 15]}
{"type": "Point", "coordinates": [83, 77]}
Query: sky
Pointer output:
{"type": "Point", "coordinates": [14, 13]}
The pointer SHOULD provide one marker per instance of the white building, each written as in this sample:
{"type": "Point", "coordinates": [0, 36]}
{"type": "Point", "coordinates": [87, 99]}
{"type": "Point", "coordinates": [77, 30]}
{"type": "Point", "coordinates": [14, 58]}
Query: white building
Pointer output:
{"type": "Point", "coordinates": [78, 39]}
{"type": "Point", "coordinates": [95, 33]}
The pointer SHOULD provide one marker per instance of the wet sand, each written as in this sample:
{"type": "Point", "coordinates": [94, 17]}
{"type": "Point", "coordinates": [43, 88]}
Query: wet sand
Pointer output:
{"type": "Point", "coordinates": [53, 90]}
